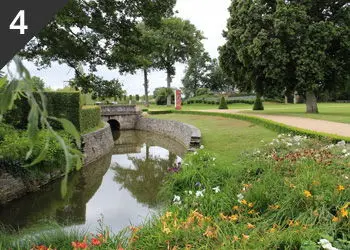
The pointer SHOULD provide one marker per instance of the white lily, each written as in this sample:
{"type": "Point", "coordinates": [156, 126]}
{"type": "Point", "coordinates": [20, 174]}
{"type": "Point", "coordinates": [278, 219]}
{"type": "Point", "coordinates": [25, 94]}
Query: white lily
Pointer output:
{"type": "Point", "coordinates": [325, 244]}
{"type": "Point", "coordinates": [216, 189]}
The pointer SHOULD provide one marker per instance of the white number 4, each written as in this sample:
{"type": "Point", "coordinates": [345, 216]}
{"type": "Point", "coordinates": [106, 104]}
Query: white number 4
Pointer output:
{"type": "Point", "coordinates": [21, 27]}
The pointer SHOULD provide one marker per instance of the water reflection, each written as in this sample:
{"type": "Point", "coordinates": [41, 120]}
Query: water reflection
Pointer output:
{"type": "Point", "coordinates": [122, 187]}
{"type": "Point", "coordinates": [146, 174]}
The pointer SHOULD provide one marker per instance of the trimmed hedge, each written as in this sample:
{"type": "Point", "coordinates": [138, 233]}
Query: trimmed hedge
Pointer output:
{"type": "Point", "coordinates": [59, 104]}
{"type": "Point", "coordinates": [90, 117]}
{"type": "Point", "coordinates": [275, 126]}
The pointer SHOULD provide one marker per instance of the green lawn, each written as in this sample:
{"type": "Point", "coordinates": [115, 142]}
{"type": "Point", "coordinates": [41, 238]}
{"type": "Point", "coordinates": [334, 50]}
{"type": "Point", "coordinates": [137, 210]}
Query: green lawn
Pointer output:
{"type": "Point", "coordinates": [200, 107]}
{"type": "Point", "coordinates": [337, 112]}
{"type": "Point", "coordinates": [225, 137]}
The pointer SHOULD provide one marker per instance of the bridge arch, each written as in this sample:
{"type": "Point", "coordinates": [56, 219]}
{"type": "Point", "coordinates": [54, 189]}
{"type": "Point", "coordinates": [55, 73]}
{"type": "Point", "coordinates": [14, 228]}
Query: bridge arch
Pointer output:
{"type": "Point", "coordinates": [115, 125]}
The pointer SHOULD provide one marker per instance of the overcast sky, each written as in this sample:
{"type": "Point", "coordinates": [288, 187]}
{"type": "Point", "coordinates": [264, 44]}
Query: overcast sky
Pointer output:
{"type": "Point", "coordinates": [209, 16]}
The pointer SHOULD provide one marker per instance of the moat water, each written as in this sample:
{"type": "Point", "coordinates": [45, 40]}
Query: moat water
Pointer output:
{"type": "Point", "coordinates": [120, 189]}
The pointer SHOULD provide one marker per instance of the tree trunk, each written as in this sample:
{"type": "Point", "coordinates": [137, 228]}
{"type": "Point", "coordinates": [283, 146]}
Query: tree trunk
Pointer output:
{"type": "Point", "coordinates": [169, 79]}
{"type": "Point", "coordinates": [311, 102]}
{"type": "Point", "coordinates": [145, 73]}
{"type": "Point", "coordinates": [285, 99]}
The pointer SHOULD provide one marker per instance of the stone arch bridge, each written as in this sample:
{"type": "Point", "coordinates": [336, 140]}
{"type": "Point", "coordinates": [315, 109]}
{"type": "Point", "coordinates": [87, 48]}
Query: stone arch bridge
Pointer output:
{"type": "Point", "coordinates": [120, 117]}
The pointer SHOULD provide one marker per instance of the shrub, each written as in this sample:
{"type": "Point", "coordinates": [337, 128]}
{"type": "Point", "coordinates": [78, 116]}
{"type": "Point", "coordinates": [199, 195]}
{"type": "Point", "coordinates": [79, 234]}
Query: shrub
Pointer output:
{"type": "Point", "coordinates": [59, 104]}
{"type": "Point", "coordinates": [90, 117]}
{"type": "Point", "coordinates": [258, 105]}
{"type": "Point", "coordinates": [137, 97]}
{"type": "Point", "coordinates": [14, 148]}
{"type": "Point", "coordinates": [223, 104]}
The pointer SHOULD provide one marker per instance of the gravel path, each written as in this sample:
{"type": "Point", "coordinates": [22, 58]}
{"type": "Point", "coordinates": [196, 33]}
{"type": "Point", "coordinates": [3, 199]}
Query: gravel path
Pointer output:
{"type": "Point", "coordinates": [335, 128]}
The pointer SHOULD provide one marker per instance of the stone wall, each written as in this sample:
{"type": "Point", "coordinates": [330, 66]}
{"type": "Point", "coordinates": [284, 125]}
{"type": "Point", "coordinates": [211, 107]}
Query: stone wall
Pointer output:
{"type": "Point", "coordinates": [97, 144]}
{"type": "Point", "coordinates": [186, 134]}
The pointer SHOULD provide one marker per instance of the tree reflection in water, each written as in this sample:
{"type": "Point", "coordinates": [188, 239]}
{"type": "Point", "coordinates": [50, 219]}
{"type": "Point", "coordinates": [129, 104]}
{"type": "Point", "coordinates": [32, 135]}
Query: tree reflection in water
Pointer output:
{"type": "Point", "coordinates": [145, 179]}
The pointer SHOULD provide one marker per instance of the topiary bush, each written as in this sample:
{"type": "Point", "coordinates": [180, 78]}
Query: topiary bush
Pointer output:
{"type": "Point", "coordinates": [223, 104]}
{"type": "Point", "coordinates": [59, 104]}
{"type": "Point", "coordinates": [90, 117]}
{"type": "Point", "coordinates": [258, 105]}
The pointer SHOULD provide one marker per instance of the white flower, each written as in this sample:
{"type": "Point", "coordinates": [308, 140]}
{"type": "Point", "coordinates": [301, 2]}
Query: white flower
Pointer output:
{"type": "Point", "coordinates": [240, 197]}
{"type": "Point", "coordinates": [195, 153]}
{"type": "Point", "coordinates": [216, 189]}
{"type": "Point", "coordinates": [347, 155]}
{"type": "Point", "coordinates": [177, 200]}
{"type": "Point", "coordinates": [325, 244]}
{"type": "Point", "coordinates": [341, 144]}
{"type": "Point", "coordinates": [202, 147]}
{"type": "Point", "coordinates": [344, 151]}
{"type": "Point", "coordinates": [289, 144]}
{"type": "Point", "coordinates": [200, 193]}
{"type": "Point", "coordinates": [190, 192]}
{"type": "Point", "coordinates": [214, 159]}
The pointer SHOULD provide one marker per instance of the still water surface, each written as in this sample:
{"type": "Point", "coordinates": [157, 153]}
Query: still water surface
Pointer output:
{"type": "Point", "coordinates": [121, 188]}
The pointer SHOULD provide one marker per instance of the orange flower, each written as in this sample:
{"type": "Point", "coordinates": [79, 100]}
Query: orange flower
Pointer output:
{"type": "Point", "coordinates": [235, 238]}
{"type": "Point", "coordinates": [344, 212]}
{"type": "Point", "coordinates": [250, 226]}
{"type": "Point", "coordinates": [233, 217]}
{"type": "Point", "coordinates": [251, 211]}
{"type": "Point", "coordinates": [335, 219]}
{"type": "Point", "coordinates": [245, 237]}
{"type": "Point", "coordinates": [95, 242]}
{"type": "Point", "coordinates": [274, 207]}
{"type": "Point", "coordinates": [244, 202]}
{"type": "Point", "coordinates": [222, 216]}
{"type": "Point", "coordinates": [79, 245]}
{"type": "Point", "coordinates": [307, 194]}
{"type": "Point", "coordinates": [236, 208]}
{"type": "Point", "coordinates": [340, 188]}
{"type": "Point", "coordinates": [211, 232]}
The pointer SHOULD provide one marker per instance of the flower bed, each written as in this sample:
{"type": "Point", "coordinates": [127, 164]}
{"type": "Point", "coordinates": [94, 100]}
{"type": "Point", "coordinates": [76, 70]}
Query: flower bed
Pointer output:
{"type": "Point", "coordinates": [291, 193]}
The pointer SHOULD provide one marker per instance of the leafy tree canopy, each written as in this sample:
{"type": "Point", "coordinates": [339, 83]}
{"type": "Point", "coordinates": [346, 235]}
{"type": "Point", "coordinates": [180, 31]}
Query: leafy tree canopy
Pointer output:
{"type": "Point", "coordinates": [288, 46]}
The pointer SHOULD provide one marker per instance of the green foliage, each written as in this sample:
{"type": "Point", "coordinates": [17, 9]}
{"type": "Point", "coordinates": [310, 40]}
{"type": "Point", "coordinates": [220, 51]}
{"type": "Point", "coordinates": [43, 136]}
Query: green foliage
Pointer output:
{"type": "Point", "coordinates": [161, 94]}
{"type": "Point", "coordinates": [137, 98]}
{"type": "Point", "coordinates": [130, 97]}
{"type": "Point", "coordinates": [196, 74]}
{"type": "Point", "coordinates": [38, 118]}
{"type": "Point", "coordinates": [287, 46]}
{"type": "Point", "coordinates": [223, 104]}
{"type": "Point", "coordinates": [113, 22]}
{"type": "Point", "coordinates": [258, 105]}
{"type": "Point", "coordinates": [274, 211]}
{"type": "Point", "coordinates": [90, 117]}
{"type": "Point", "coordinates": [178, 40]}
{"type": "Point", "coordinates": [59, 104]}
{"type": "Point", "coordinates": [15, 145]}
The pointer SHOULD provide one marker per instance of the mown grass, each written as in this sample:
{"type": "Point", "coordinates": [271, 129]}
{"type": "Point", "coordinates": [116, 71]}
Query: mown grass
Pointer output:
{"type": "Point", "coordinates": [225, 137]}
{"type": "Point", "coordinates": [337, 112]}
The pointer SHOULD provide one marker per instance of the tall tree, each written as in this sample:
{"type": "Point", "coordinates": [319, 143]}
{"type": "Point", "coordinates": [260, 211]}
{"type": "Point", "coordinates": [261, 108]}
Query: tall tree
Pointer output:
{"type": "Point", "coordinates": [288, 46]}
{"type": "Point", "coordinates": [196, 73]}
{"type": "Point", "coordinates": [86, 32]}
{"type": "Point", "coordinates": [178, 40]}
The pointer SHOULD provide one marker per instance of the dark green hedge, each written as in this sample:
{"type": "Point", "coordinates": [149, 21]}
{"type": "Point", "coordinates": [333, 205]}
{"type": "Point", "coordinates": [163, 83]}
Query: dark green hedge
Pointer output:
{"type": "Point", "coordinates": [90, 117]}
{"type": "Point", "coordinates": [59, 104]}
